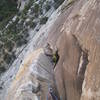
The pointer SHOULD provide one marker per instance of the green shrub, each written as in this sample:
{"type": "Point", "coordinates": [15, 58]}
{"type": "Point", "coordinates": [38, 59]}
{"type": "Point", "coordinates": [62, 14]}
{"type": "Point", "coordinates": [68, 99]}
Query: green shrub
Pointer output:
{"type": "Point", "coordinates": [25, 34]}
{"type": "Point", "coordinates": [7, 58]}
{"type": "Point", "coordinates": [9, 46]}
{"type": "Point", "coordinates": [26, 8]}
{"type": "Point", "coordinates": [43, 20]}
{"type": "Point", "coordinates": [7, 9]}
{"type": "Point", "coordinates": [33, 25]}
{"type": "Point", "coordinates": [47, 7]}
{"type": "Point", "coordinates": [58, 3]}
{"type": "Point", "coordinates": [2, 68]}
{"type": "Point", "coordinates": [55, 57]}
{"type": "Point", "coordinates": [21, 42]}
{"type": "Point", "coordinates": [36, 8]}
{"type": "Point", "coordinates": [1, 45]}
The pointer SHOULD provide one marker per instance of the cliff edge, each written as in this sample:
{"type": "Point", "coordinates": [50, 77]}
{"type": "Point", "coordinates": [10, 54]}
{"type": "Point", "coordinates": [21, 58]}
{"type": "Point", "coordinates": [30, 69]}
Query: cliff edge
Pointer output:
{"type": "Point", "coordinates": [75, 34]}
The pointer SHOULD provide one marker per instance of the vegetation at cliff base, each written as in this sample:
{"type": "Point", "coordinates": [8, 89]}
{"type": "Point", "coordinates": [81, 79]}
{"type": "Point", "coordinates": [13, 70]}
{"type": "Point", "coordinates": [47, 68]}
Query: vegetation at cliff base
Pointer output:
{"type": "Point", "coordinates": [58, 3]}
{"type": "Point", "coordinates": [8, 9]}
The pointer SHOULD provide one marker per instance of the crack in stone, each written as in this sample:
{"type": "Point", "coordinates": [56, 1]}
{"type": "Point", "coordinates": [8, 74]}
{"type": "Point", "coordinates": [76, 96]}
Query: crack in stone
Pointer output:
{"type": "Point", "coordinates": [83, 62]}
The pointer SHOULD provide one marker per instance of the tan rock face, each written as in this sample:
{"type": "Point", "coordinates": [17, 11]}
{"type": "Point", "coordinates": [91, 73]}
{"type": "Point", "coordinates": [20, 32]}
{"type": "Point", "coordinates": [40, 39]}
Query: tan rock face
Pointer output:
{"type": "Point", "coordinates": [77, 38]}
{"type": "Point", "coordinates": [76, 35]}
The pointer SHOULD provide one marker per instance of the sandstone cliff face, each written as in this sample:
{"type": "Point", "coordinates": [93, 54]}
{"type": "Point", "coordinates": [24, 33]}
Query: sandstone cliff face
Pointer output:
{"type": "Point", "coordinates": [75, 33]}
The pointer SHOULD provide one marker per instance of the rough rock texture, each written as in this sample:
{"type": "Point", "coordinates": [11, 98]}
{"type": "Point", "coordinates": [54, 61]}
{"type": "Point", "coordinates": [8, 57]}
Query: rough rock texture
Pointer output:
{"type": "Point", "coordinates": [76, 33]}
{"type": "Point", "coordinates": [33, 78]}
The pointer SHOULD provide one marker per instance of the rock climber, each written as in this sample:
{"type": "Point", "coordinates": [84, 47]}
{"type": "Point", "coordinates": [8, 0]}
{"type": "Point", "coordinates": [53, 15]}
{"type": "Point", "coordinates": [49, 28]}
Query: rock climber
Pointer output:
{"type": "Point", "coordinates": [52, 95]}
